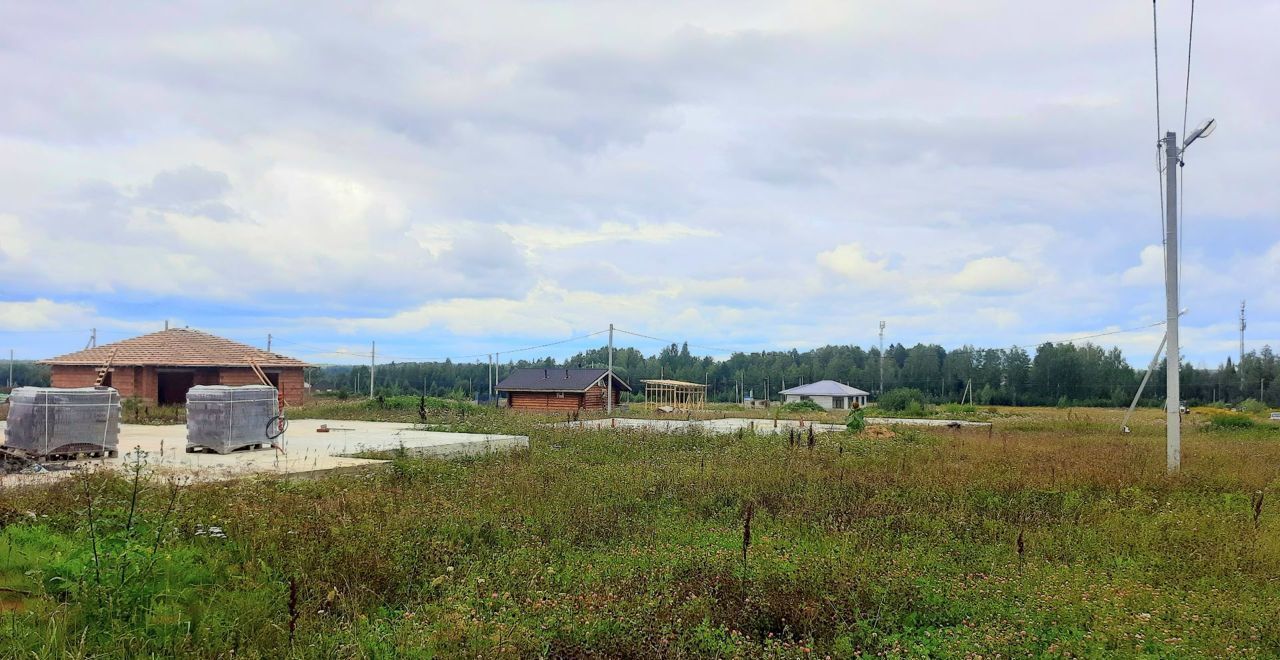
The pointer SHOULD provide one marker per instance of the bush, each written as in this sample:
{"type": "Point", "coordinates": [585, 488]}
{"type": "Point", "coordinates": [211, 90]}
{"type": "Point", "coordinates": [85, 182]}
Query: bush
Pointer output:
{"type": "Point", "coordinates": [901, 399]}
{"type": "Point", "coordinates": [1225, 421]}
{"type": "Point", "coordinates": [1253, 407]}
{"type": "Point", "coordinates": [959, 408]}
{"type": "Point", "coordinates": [856, 421]}
{"type": "Point", "coordinates": [802, 406]}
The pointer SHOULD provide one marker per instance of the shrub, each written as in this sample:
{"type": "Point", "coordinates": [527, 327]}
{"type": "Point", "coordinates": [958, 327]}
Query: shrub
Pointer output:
{"type": "Point", "coordinates": [856, 421]}
{"type": "Point", "coordinates": [900, 399]}
{"type": "Point", "coordinates": [1230, 421]}
{"type": "Point", "coordinates": [1253, 407]}
{"type": "Point", "coordinates": [802, 406]}
{"type": "Point", "coordinates": [959, 408]}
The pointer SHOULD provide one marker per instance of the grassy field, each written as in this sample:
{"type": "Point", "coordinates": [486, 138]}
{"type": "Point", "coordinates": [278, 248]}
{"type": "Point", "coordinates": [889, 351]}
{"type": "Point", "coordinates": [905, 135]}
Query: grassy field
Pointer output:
{"type": "Point", "coordinates": [1050, 534]}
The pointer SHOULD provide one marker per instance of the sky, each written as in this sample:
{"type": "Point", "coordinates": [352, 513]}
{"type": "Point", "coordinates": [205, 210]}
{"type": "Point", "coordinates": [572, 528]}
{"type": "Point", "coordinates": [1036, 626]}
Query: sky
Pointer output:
{"type": "Point", "coordinates": [455, 179]}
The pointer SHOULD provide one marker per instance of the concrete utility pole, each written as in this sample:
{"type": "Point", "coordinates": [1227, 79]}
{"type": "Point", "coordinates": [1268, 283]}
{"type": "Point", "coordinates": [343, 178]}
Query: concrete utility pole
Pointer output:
{"type": "Point", "coordinates": [373, 359]}
{"type": "Point", "coordinates": [497, 364]}
{"type": "Point", "coordinates": [881, 358]}
{"type": "Point", "coordinates": [11, 369]}
{"type": "Point", "coordinates": [609, 378]}
{"type": "Point", "coordinates": [1240, 364]}
{"type": "Point", "coordinates": [1173, 381]}
{"type": "Point", "coordinates": [269, 342]}
{"type": "Point", "coordinates": [489, 374]}
{"type": "Point", "coordinates": [1155, 360]}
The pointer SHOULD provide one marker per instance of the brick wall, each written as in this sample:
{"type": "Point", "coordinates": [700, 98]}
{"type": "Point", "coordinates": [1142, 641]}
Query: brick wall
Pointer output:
{"type": "Point", "coordinates": [144, 381]}
{"type": "Point", "coordinates": [291, 386]}
{"type": "Point", "coordinates": [290, 380]}
{"type": "Point", "coordinates": [69, 376]}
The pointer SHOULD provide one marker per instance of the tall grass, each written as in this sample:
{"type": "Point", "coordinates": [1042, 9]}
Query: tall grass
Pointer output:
{"type": "Point", "coordinates": [1047, 535]}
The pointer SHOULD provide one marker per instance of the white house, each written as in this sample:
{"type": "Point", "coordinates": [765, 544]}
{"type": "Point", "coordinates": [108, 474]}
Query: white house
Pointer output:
{"type": "Point", "coordinates": [828, 394]}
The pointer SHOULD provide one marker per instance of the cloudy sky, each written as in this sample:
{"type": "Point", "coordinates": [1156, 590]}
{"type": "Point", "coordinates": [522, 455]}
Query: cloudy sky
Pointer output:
{"type": "Point", "coordinates": [457, 178]}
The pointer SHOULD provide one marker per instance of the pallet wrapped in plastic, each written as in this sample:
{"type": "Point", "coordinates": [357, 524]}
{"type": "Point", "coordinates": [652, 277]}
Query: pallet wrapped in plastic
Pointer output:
{"type": "Point", "coordinates": [221, 418]}
{"type": "Point", "coordinates": [63, 421]}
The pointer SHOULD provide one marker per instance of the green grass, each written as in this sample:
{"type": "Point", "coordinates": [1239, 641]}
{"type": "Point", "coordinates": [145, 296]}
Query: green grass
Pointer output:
{"type": "Point", "coordinates": [630, 544]}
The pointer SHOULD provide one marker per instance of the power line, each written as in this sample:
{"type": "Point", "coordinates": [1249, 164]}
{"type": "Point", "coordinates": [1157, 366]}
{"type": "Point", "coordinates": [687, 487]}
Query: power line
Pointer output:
{"type": "Point", "coordinates": [504, 352]}
{"type": "Point", "coordinates": [672, 341]}
{"type": "Point", "coordinates": [1186, 104]}
{"type": "Point", "coordinates": [1155, 40]}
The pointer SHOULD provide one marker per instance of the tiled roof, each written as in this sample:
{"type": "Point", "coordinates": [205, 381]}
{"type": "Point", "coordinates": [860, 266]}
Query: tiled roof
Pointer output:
{"type": "Point", "coordinates": [825, 388]}
{"type": "Point", "coordinates": [177, 347]}
{"type": "Point", "coordinates": [552, 379]}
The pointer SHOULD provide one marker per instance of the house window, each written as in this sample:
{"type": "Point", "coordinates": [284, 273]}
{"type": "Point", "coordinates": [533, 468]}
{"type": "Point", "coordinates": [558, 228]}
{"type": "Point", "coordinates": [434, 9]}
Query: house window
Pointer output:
{"type": "Point", "coordinates": [559, 395]}
{"type": "Point", "coordinates": [837, 402]}
{"type": "Point", "coordinates": [804, 398]}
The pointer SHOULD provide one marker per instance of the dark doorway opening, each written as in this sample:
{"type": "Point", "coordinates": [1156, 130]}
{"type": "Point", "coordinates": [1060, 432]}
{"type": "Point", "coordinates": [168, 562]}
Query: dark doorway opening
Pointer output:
{"type": "Point", "coordinates": [173, 386]}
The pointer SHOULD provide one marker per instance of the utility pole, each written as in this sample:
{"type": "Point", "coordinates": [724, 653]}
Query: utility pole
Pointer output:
{"type": "Point", "coordinates": [373, 359]}
{"type": "Point", "coordinates": [1173, 383]}
{"type": "Point", "coordinates": [11, 369]}
{"type": "Point", "coordinates": [881, 358]}
{"type": "Point", "coordinates": [609, 404]}
{"type": "Point", "coordinates": [93, 339]}
{"type": "Point", "coordinates": [489, 375]}
{"type": "Point", "coordinates": [269, 342]}
{"type": "Point", "coordinates": [1240, 365]}
{"type": "Point", "coordinates": [497, 364]}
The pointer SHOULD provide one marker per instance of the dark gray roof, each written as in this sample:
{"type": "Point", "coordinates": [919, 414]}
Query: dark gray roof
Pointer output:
{"type": "Point", "coordinates": [554, 379]}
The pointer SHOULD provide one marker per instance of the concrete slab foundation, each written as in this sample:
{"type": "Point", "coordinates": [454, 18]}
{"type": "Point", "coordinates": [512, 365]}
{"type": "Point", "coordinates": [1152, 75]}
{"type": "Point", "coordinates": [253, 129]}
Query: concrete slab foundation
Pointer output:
{"type": "Point", "coordinates": [761, 426]}
{"type": "Point", "coordinates": [305, 451]}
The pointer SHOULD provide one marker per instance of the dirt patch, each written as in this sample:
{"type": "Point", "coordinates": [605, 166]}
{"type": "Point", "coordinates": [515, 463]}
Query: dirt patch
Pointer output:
{"type": "Point", "coordinates": [882, 432]}
{"type": "Point", "coordinates": [12, 602]}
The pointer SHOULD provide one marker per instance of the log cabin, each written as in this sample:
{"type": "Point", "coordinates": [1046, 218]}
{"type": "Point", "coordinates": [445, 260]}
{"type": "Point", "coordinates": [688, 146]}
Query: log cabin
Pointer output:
{"type": "Point", "coordinates": [559, 389]}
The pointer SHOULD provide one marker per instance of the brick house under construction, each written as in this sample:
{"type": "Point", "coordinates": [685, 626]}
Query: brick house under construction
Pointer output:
{"type": "Point", "coordinates": [162, 366]}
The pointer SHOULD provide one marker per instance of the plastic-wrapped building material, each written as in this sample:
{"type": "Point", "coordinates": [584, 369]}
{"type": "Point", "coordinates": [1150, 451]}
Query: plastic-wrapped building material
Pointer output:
{"type": "Point", "coordinates": [221, 418]}
{"type": "Point", "coordinates": [57, 421]}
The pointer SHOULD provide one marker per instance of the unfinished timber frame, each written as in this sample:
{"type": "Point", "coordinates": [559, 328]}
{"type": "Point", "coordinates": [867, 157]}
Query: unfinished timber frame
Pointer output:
{"type": "Point", "coordinates": [675, 394]}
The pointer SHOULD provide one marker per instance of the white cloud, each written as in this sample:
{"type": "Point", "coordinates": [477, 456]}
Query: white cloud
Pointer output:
{"type": "Point", "coordinates": [42, 314]}
{"type": "Point", "coordinates": [552, 237]}
{"type": "Point", "coordinates": [1150, 268]}
{"type": "Point", "coordinates": [14, 244]}
{"type": "Point", "coordinates": [851, 261]}
{"type": "Point", "coordinates": [993, 275]}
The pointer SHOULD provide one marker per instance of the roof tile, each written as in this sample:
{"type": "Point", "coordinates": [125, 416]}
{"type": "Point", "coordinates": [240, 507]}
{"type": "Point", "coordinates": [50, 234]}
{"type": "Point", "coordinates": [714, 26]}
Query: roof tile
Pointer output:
{"type": "Point", "coordinates": [177, 347]}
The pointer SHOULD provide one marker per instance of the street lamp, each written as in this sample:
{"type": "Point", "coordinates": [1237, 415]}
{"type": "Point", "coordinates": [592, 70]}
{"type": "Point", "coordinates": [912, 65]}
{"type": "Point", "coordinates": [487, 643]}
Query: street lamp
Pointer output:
{"type": "Point", "coordinates": [1203, 130]}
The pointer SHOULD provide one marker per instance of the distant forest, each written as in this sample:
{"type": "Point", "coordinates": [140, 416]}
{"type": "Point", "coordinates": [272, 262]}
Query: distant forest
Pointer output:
{"type": "Point", "coordinates": [1084, 375]}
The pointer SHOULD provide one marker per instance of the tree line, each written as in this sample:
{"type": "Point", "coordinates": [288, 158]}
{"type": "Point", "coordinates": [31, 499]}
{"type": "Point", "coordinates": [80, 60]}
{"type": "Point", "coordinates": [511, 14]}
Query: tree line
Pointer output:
{"type": "Point", "coordinates": [1086, 375]}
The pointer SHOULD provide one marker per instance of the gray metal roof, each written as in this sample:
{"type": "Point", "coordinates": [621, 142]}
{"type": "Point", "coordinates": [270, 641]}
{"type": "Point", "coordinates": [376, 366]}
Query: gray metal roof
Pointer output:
{"type": "Point", "coordinates": [825, 388]}
{"type": "Point", "coordinates": [554, 379]}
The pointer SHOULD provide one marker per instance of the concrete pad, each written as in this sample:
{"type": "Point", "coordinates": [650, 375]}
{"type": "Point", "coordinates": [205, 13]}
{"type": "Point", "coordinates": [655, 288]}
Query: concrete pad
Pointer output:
{"type": "Point", "coordinates": [305, 450]}
{"type": "Point", "coordinates": [760, 426]}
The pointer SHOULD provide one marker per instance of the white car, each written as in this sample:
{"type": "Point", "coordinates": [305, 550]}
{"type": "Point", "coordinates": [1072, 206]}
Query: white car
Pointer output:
{"type": "Point", "coordinates": [1275, 416]}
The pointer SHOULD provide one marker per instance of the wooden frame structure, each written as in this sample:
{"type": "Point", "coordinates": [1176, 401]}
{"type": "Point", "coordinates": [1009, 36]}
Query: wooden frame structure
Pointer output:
{"type": "Point", "coordinates": [677, 394]}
